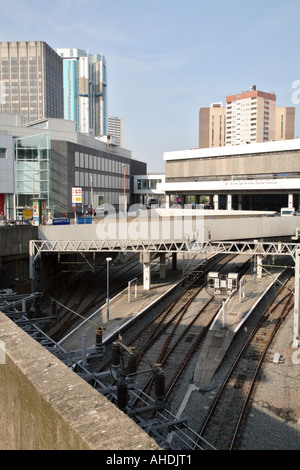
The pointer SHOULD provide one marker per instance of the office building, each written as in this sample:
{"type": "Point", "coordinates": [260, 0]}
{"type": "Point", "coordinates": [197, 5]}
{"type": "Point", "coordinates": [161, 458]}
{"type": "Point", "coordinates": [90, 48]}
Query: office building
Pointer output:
{"type": "Point", "coordinates": [31, 80]}
{"type": "Point", "coordinates": [48, 158]}
{"type": "Point", "coordinates": [249, 117]}
{"type": "Point", "coordinates": [84, 84]}
{"type": "Point", "coordinates": [116, 129]}
{"type": "Point", "coordinates": [262, 176]}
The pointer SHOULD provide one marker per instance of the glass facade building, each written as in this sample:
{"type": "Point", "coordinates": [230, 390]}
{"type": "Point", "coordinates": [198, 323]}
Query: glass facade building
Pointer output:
{"type": "Point", "coordinates": [84, 84]}
{"type": "Point", "coordinates": [32, 171]}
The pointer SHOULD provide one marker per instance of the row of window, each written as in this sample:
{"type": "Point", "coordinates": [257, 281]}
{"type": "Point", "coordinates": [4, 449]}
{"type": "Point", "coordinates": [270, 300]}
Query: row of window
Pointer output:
{"type": "Point", "coordinates": [97, 198]}
{"type": "Point", "coordinates": [92, 162]}
{"type": "Point", "coordinates": [147, 183]}
{"type": "Point", "coordinates": [96, 180]}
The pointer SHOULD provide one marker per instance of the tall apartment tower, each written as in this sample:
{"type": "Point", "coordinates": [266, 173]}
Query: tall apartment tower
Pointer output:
{"type": "Point", "coordinates": [116, 128]}
{"type": "Point", "coordinates": [250, 117]}
{"type": "Point", "coordinates": [85, 98]}
{"type": "Point", "coordinates": [31, 80]}
{"type": "Point", "coordinates": [212, 123]}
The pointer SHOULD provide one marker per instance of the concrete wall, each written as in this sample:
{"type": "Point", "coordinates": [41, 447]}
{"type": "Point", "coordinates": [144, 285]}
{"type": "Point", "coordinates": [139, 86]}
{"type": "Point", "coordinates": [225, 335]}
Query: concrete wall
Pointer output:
{"type": "Point", "coordinates": [14, 251]}
{"type": "Point", "coordinates": [14, 240]}
{"type": "Point", "coordinates": [7, 165]}
{"type": "Point", "coordinates": [171, 227]}
{"type": "Point", "coordinates": [226, 166]}
{"type": "Point", "coordinates": [251, 227]}
{"type": "Point", "coordinates": [46, 406]}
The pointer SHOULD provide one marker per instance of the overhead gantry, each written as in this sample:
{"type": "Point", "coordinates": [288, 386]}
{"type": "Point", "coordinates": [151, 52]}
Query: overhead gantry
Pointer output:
{"type": "Point", "coordinates": [149, 250]}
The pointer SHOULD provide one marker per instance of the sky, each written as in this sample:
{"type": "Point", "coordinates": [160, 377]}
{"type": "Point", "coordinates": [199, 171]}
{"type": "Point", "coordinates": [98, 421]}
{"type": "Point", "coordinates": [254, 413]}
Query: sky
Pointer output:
{"type": "Point", "coordinates": [168, 58]}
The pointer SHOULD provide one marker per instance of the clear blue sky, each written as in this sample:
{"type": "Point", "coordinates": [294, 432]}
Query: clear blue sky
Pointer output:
{"type": "Point", "coordinates": [168, 58]}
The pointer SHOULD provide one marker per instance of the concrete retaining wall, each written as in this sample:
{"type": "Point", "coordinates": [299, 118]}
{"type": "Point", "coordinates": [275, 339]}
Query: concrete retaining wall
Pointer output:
{"type": "Point", "coordinates": [46, 406]}
{"type": "Point", "coordinates": [170, 228]}
{"type": "Point", "coordinates": [14, 240]}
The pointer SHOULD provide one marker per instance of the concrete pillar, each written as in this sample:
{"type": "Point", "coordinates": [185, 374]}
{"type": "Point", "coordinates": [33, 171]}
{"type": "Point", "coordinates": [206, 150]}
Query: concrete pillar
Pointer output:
{"type": "Point", "coordinates": [259, 260]}
{"type": "Point", "coordinates": [147, 276]}
{"type": "Point", "coordinates": [290, 201]}
{"type": "Point", "coordinates": [296, 333]}
{"type": "Point", "coordinates": [174, 260]}
{"type": "Point", "coordinates": [162, 266]}
{"type": "Point", "coordinates": [145, 258]}
{"type": "Point", "coordinates": [167, 201]}
{"type": "Point", "coordinates": [240, 202]}
{"type": "Point", "coordinates": [216, 201]}
{"type": "Point", "coordinates": [229, 202]}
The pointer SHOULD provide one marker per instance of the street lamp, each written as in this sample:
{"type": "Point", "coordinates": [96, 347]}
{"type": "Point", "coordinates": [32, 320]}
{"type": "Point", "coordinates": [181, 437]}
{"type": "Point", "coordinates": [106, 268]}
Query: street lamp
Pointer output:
{"type": "Point", "coordinates": [107, 287]}
{"type": "Point", "coordinates": [123, 166]}
{"type": "Point", "coordinates": [92, 197]}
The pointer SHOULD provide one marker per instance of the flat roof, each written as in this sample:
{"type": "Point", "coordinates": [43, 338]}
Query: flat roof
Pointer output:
{"type": "Point", "coordinates": [250, 94]}
{"type": "Point", "coordinates": [233, 150]}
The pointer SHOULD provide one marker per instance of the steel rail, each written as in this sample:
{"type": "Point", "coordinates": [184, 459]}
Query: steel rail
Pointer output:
{"type": "Point", "coordinates": [247, 398]}
{"type": "Point", "coordinates": [245, 346]}
{"type": "Point", "coordinates": [162, 358]}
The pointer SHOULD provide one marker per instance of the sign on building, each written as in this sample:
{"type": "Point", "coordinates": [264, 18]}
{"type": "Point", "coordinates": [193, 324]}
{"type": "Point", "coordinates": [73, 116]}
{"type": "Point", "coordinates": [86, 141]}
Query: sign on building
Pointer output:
{"type": "Point", "coordinates": [76, 196]}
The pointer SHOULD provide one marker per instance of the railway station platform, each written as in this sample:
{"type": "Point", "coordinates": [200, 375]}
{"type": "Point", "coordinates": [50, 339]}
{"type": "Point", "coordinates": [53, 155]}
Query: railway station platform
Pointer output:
{"type": "Point", "coordinates": [230, 319]}
{"type": "Point", "coordinates": [121, 311]}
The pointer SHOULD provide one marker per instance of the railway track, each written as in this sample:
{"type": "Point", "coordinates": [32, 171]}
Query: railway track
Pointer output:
{"type": "Point", "coordinates": [177, 336]}
{"type": "Point", "coordinates": [223, 423]}
{"type": "Point", "coordinates": [171, 338]}
{"type": "Point", "coordinates": [88, 297]}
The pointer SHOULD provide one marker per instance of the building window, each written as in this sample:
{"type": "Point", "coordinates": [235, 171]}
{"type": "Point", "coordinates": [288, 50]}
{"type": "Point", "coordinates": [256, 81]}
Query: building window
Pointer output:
{"type": "Point", "coordinates": [147, 184]}
{"type": "Point", "coordinates": [2, 153]}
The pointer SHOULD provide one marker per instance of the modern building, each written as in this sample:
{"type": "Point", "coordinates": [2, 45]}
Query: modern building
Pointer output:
{"type": "Point", "coordinates": [146, 189]}
{"type": "Point", "coordinates": [85, 90]}
{"type": "Point", "coordinates": [249, 117]}
{"type": "Point", "coordinates": [31, 80]}
{"type": "Point", "coordinates": [116, 129]}
{"type": "Point", "coordinates": [7, 186]}
{"type": "Point", "coordinates": [50, 158]}
{"type": "Point", "coordinates": [259, 176]}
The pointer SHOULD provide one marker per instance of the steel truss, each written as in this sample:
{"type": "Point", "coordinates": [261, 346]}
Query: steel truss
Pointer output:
{"type": "Point", "coordinates": [237, 247]}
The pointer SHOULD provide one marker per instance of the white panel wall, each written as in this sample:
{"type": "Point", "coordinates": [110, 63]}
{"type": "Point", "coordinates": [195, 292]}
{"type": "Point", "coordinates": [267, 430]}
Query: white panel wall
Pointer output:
{"type": "Point", "coordinates": [7, 165]}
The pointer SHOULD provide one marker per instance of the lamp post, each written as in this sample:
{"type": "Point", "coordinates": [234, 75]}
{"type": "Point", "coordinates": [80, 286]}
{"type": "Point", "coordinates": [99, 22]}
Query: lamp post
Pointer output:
{"type": "Point", "coordinates": [92, 197]}
{"type": "Point", "coordinates": [124, 184]}
{"type": "Point", "coordinates": [107, 287]}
